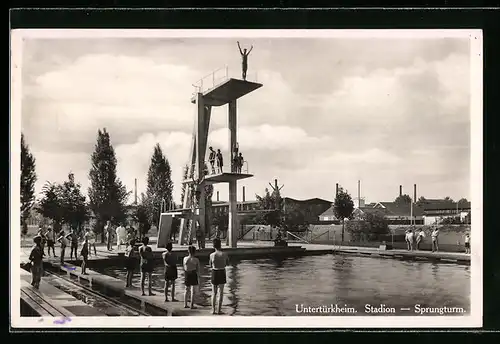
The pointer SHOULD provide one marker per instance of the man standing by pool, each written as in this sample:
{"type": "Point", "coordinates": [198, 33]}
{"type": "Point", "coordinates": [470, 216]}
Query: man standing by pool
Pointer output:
{"type": "Point", "coordinates": [108, 229]}
{"type": "Point", "coordinates": [218, 262]}
{"type": "Point", "coordinates": [434, 236]}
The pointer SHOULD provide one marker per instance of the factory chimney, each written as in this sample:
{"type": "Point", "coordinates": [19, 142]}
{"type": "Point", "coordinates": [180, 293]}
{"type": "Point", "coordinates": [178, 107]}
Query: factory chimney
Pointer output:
{"type": "Point", "coordinates": [401, 190]}
{"type": "Point", "coordinates": [135, 191]}
{"type": "Point", "coordinates": [243, 194]}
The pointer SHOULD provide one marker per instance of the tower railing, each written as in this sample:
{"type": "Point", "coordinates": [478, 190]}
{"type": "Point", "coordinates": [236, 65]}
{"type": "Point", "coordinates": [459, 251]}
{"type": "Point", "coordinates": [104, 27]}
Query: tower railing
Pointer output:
{"type": "Point", "coordinates": [219, 76]}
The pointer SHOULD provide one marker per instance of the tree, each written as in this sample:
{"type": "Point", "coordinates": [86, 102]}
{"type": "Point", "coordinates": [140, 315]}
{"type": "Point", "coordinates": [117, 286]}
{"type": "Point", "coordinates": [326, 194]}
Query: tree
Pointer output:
{"type": "Point", "coordinates": [371, 227]}
{"type": "Point", "coordinates": [159, 184]}
{"type": "Point", "coordinates": [273, 203]}
{"type": "Point", "coordinates": [421, 200]}
{"type": "Point", "coordinates": [75, 210]}
{"type": "Point", "coordinates": [107, 194]}
{"type": "Point", "coordinates": [343, 207]}
{"type": "Point", "coordinates": [141, 216]}
{"type": "Point", "coordinates": [28, 180]}
{"type": "Point", "coordinates": [51, 204]}
{"type": "Point", "coordinates": [183, 187]}
{"type": "Point", "coordinates": [221, 220]}
{"type": "Point", "coordinates": [463, 202]}
{"type": "Point", "coordinates": [403, 199]}
{"type": "Point", "coordinates": [448, 198]}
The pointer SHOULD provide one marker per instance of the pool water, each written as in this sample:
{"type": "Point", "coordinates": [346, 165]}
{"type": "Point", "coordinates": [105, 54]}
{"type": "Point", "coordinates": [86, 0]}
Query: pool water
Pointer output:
{"type": "Point", "coordinates": [269, 287]}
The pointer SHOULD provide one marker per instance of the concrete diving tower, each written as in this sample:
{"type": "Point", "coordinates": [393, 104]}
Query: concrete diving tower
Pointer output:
{"type": "Point", "coordinates": [228, 91]}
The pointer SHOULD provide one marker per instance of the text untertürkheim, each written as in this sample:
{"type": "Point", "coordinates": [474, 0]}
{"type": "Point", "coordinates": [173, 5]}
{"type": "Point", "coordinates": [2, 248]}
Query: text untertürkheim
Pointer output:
{"type": "Point", "coordinates": [325, 309]}
{"type": "Point", "coordinates": [438, 310]}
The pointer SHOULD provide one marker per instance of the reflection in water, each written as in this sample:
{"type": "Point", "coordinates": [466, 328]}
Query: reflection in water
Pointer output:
{"type": "Point", "coordinates": [231, 287]}
{"type": "Point", "coordinates": [269, 287]}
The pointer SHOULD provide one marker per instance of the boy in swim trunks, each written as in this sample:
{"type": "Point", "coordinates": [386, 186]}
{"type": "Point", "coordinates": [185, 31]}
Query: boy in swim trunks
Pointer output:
{"type": "Point", "coordinates": [85, 256]}
{"type": "Point", "coordinates": [170, 261]}
{"type": "Point", "coordinates": [191, 266]}
{"type": "Point", "coordinates": [467, 243]}
{"type": "Point", "coordinates": [146, 254]}
{"type": "Point", "coordinates": [51, 241]}
{"type": "Point", "coordinates": [218, 262]}
{"type": "Point", "coordinates": [36, 259]}
{"type": "Point", "coordinates": [130, 262]}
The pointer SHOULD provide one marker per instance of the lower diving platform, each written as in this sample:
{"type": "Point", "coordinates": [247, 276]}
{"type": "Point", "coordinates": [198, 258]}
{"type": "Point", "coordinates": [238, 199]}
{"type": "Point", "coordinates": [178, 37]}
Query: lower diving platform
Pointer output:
{"type": "Point", "coordinates": [221, 178]}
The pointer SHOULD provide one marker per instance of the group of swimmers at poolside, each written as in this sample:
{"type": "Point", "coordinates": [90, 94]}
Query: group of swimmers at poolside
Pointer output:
{"type": "Point", "coordinates": [191, 266]}
{"type": "Point", "coordinates": [414, 238]}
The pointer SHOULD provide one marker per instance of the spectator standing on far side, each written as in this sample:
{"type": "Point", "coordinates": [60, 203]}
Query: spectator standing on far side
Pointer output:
{"type": "Point", "coordinates": [434, 236]}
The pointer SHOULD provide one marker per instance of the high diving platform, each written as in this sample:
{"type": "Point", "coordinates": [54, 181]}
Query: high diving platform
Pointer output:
{"type": "Point", "coordinates": [225, 177]}
{"type": "Point", "coordinates": [227, 91]}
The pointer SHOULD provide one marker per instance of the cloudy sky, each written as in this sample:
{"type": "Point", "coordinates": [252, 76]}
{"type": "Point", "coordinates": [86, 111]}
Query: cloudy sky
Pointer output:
{"type": "Point", "coordinates": [384, 111]}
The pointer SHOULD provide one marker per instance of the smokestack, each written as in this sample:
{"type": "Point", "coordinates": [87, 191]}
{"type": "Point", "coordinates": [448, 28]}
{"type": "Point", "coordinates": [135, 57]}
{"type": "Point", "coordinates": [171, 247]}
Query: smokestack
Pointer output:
{"type": "Point", "coordinates": [135, 190]}
{"type": "Point", "coordinates": [414, 192]}
{"type": "Point", "coordinates": [359, 193]}
{"type": "Point", "coordinates": [243, 194]}
{"type": "Point", "coordinates": [336, 189]}
{"type": "Point", "coordinates": [401, 190]}
{"type": "Point", "coordinates": [217, 196]}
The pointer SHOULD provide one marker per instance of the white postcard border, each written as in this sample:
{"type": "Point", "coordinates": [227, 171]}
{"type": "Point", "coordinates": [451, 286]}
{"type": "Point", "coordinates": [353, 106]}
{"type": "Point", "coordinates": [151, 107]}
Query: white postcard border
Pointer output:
{"type": "Point", "coordinates": [473, 320]}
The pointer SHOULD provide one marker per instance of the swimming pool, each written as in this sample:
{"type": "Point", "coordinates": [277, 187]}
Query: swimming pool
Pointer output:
{"type": "Point", "coordinates": [268, 287]}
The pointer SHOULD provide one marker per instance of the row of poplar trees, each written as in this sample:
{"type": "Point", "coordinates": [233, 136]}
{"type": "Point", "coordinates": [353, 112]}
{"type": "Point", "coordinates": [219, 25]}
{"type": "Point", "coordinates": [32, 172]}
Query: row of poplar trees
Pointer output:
{"type": "Point", "coordinates": [64, 203]}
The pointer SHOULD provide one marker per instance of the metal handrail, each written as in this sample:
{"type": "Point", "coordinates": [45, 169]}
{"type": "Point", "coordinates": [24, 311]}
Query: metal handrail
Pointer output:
{"type": "Point", "coordinates": [317, 236]}
{"type": "Point", "coordinates": [199, 84]}
{"type": "Point", "coordinates": [307, 242]}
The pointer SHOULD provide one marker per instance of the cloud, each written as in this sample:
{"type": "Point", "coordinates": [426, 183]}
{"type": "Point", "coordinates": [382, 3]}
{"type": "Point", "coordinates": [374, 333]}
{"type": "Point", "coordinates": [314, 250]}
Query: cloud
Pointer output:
{"type": "Point", "coordinates": [346, 110]}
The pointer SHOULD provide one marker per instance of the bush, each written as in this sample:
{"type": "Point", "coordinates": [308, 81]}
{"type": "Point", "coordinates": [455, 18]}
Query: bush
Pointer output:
{"type": "Point", "coordinates": [373, 227]}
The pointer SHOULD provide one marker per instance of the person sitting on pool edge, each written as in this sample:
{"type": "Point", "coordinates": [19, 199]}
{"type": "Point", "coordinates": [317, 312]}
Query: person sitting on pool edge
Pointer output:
{"type": "Point", "coordinates": [146, 254]}
{"type": "Point", "coordinates": [191, 266]}
{"type": "Point", "coordinates": [218, 262]}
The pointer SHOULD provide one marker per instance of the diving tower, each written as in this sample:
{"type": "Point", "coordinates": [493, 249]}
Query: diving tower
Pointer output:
{"type": "Point", "coordinates": [225, 91]}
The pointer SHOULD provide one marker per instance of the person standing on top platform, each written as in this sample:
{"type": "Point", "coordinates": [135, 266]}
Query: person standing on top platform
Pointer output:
{"type": "Point", "coordinates": [211, 159]}
{"type": "Point", "coordinates": [220, 161]}
{"type": "Point", "coordinates": [146, 254]}
{"type": "Point", "coordinates": [218, 262]}
{"type": "Point", "coordinates": [36, 259]}
{"type": "Point", "coordinates": [192, 268]}
{"type": "Point", "coordinates": [170, 261]}
{"type": "Point", "coordinates": [244, 60]}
